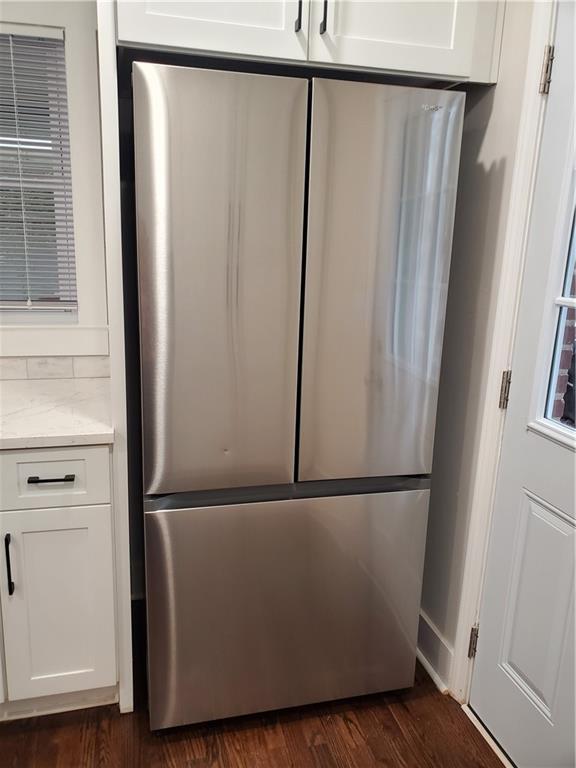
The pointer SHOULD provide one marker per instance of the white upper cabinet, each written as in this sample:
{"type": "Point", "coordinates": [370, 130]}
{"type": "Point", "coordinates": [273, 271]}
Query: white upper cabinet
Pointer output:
{"type": "Point", "coordinates": [421, 37]}
{"type": "Point", "coordinates": [453, 39]}
{"type": "Point", "coordinates": [269, 28]}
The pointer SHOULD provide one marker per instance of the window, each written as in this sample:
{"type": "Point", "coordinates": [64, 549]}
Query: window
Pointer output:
{"type": "Point", "coordinates": [560, 405]}
{"type": "Point", "coordinates": [37, 261]}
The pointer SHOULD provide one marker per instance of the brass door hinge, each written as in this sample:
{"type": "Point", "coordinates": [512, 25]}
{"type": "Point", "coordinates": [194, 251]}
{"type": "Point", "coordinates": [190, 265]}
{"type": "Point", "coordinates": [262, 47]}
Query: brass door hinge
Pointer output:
{"type": "Point", "coordinates": [473, 644]}
{"type": "Point", "coordinates": [546, 76]}
{"type": "Point", "coordinates": [505, 389]}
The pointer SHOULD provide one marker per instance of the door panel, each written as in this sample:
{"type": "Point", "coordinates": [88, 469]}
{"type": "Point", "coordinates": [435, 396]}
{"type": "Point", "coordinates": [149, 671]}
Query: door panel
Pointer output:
{"type": "Point", "coordinates": [253, 27]}
{"type": "Point", "coordinates": [266, 605]}
{"type": "Point", "coordinates": [219, 189]}
{"type": "Point", "coordinates": [59, 622]}
{"type": "Point", "coordinates": [383, 176]}
{"type": "Point", "coordinates": [542, 577]}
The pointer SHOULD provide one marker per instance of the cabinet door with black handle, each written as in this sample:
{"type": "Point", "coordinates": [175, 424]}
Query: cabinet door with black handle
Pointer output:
{"type": "Point", "coordinates": [57, 600]}
{"type": "Point", "coordinates": [433, 37]}
{"type": "Point", "coordinates": [271, 28]}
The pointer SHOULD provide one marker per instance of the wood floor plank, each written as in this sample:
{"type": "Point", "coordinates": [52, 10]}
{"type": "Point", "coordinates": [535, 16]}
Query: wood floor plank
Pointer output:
{"type": "Point", "coordinates": [388, 746]}
{"type": "Point", "coordinates": [416, 728]}
{"type": "Point", "coordinates": [323, 757]}
{"type": "Point", "coordinates": [433, 730]}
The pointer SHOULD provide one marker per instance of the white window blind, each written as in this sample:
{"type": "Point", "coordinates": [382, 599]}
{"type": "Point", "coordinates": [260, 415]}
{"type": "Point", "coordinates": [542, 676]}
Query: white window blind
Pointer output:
{"type": "Point", "coordinates": [37, 263]}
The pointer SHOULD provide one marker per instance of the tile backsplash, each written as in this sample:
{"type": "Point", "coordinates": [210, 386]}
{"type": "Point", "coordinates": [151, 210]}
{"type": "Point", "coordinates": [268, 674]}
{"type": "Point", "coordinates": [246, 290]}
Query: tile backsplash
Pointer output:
{"type": "Point", "coordinates": [93, 367]}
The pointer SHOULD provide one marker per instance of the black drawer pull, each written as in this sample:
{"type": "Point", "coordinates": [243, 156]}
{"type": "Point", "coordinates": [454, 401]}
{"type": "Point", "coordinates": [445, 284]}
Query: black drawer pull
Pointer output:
{"type": "Point", "coordinates": [11, 587]}
{"type": "Point", "coordinates": [35, 480]}
{"type": "Point", "coordinates": [324, 22]}
{"type": "Point", "coordinates": [298, 22]}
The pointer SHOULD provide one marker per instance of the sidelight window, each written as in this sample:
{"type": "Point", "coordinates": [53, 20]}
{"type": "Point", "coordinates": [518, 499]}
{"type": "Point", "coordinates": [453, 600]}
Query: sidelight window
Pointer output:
{"type": "Point", "coordinates": [560, 401]}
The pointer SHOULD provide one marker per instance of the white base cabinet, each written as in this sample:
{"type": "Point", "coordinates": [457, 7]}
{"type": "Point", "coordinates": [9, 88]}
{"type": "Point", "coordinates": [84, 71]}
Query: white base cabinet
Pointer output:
{"type": "Point", "coordinates": [58, 627]}
{"type": "Point", "coordinates": [57, 599]}
{"type": "Point", "coordinates": [456, 39]}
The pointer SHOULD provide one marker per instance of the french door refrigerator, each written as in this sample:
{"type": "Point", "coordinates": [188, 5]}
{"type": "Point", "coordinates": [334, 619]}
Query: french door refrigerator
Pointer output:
{"type": "Point", "coordinates": [293, 241]}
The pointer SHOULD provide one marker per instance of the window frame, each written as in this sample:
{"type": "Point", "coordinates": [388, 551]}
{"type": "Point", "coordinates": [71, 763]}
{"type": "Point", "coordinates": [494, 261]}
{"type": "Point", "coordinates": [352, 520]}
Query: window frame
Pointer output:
{"type": "Point", "coordinates": [40, 201]}
{"type": "Point", "coordinates": [539, 422]}
{"type": "Point", "coordinates": [563, 303]}
{"type": "Point", "coordinates": [46, 333]}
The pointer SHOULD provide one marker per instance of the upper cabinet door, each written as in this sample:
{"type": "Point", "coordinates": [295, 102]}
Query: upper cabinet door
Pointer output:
{"type": "Point", "coordinates": [426, 37]}
{"type": "Point", "coordinates": [272, 28]}
{"type": "Point", "coordinates": [383, 177]}
{"type": "Point", "coordinates": [219, 170]}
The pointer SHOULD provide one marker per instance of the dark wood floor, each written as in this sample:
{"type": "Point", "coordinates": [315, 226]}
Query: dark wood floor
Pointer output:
{"type": "Point", "coordinates": [417, 728]}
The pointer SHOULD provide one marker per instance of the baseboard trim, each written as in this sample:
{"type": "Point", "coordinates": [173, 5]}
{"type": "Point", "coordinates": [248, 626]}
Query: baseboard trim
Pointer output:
{"type": "Point", "coordinates": [487, 737]}
{"type": "Point", "coordinates": [436, 679]}
{"type": "Point", "coordinates": [434, 652]}
{"type": "Point", "coordinates": [64, 702]}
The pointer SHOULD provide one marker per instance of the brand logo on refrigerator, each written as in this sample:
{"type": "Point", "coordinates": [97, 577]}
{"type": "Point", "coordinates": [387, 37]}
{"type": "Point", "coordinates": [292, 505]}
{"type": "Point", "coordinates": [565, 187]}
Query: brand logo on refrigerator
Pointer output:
{"type": "Point", "coordinates": [431, 107]}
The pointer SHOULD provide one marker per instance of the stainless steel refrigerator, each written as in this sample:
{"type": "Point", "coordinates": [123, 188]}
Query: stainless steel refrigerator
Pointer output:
{"type": "Point", "coordinates": [293, 241]}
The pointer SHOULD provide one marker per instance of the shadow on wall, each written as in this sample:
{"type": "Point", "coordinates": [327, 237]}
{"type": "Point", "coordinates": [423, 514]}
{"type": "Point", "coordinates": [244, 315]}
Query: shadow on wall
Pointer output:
{"type": "Point", "coordinates": [131, 337]}
{"type": "Point", "coordinates": [473, 278]}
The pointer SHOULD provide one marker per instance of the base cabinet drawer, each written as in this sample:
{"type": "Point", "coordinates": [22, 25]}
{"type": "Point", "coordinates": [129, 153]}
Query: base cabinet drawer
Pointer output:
{"type": "Point", "coordinates": [54, 477]}
{"type": "Point", "coordinates": [56, 589]}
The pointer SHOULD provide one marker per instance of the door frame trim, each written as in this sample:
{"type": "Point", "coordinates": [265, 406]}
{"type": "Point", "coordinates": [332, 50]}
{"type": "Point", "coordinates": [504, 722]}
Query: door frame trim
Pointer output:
{"type": "Point", "coordinates": [503, 337]}
{"type": "Point", "coordinates": [487, 736]}
{"type": "Point", "coordinates": [109, 128]}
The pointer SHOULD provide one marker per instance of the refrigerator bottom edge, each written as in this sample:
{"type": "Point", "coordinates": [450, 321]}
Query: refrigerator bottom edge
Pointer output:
{"type": "Point", "coordinates": [259, 606]}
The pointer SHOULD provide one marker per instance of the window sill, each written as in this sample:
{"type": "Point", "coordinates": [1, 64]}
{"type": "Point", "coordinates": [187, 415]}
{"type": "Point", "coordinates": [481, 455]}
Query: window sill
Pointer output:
{"type": "Point", "coordinates": [52, 340]}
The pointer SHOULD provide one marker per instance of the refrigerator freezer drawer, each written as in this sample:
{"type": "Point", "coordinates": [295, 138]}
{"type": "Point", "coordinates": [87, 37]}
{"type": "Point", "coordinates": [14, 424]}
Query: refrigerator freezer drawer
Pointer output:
{"type": "Point", "coordinates": [253, 607]}
{"type": "Point", "coordinates": [383, 175]}
{"type": "Point", "coordinates": [219, 172]}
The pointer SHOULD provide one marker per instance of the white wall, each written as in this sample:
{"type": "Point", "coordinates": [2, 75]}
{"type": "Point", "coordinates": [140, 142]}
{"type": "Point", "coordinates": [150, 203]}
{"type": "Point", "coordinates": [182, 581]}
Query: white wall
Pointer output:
{"type": "Point", "coordinates": [490, 140]}
{"type": "Point", "coordinates": [61, 367]}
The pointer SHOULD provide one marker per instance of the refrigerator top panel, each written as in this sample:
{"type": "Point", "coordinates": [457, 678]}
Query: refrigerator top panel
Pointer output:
{"type": "Point", "coordinates": [383, 176]}
{"type": "Point", "coordinates": [219, 172]}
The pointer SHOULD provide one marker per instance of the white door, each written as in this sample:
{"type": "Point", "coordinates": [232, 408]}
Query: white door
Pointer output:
{"type": "Point", "coordinates": [271, 28]}
{"type": "Point", "coordinates": [523, 679]}
{"type": "Point", "coordinates": [430, 37]}
{"type": "Point", "coordinates": [57, 599]}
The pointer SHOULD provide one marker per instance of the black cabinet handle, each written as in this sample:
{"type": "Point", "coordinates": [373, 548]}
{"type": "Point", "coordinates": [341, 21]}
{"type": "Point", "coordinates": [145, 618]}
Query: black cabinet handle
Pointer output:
{"type": "Point", "coordinates": [298, 22]}
{"type": "Point", "coordinates": [324, 18]}
{"type": "Point", "coordinates": [35, 480]}
{"type": "Point", "coordinates": [7, 540]}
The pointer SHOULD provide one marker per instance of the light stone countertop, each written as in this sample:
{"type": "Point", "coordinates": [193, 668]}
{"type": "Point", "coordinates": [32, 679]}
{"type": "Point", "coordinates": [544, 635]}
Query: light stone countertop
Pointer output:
{"type": "Point", "coordinates": [47, 413]}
